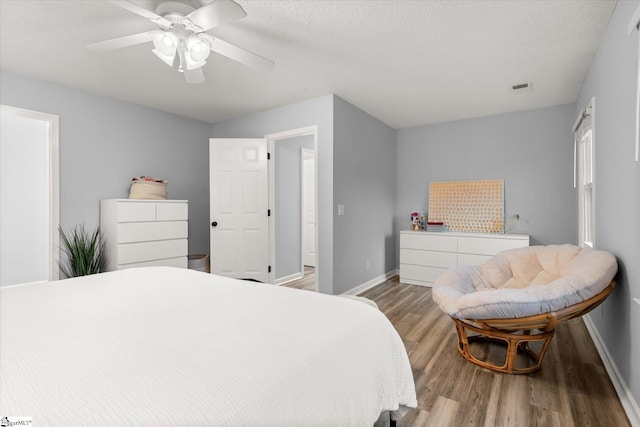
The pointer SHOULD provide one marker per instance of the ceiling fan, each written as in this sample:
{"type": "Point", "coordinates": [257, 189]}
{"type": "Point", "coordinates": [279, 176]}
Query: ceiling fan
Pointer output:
{"type": "Point", "coordinates": [182, 34]}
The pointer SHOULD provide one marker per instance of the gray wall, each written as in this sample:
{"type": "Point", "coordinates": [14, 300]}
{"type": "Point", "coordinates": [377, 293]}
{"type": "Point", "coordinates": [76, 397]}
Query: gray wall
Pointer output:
{"type": "Point", "coordinates": [364, 182]}
{"type": "Point", "coordinates": [104, 143]}
{"type": "Point", "coordinates": [531, 150]}
{"type": "Point", "coordinates": [288, 204]}
{"type": "Point", "coordinates": [318, 111]}
{"type": "Point", "coordinates": [612, 81]}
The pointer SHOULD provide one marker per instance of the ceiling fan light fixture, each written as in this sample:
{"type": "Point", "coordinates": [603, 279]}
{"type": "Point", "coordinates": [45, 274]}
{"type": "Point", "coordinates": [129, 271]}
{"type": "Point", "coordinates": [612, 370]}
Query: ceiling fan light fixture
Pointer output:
{"type": "Point", "coordinates": [198, 49]}
{"type": "Point", "coordinates": [192, 65]}
{"type": "Point", "coordinates": [167, 59]}
{"type": "Point", "coordinates": [182, 32]}
{"type": "Point", "coordinates": [166, 43]}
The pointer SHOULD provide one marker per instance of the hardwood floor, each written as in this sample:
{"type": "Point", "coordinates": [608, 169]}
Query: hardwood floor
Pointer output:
{"type": "Point", "coordinates": [307, 283]}
{"type": "Point", "coordinates": [571, 389]}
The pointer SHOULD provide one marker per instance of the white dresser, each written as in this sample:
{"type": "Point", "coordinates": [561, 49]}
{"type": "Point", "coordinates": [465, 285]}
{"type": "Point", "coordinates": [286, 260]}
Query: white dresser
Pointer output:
{"type": "Point", "coordinates": [141, 233]}
{"type": "Point", "coordinates": [426, 255]}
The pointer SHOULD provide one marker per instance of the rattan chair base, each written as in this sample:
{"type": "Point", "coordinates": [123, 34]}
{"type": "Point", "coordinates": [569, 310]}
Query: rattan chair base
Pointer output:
{"type": "Point", "coordinates": [517, 333]}
{"type": "Point", "coordinates": [517, 343]}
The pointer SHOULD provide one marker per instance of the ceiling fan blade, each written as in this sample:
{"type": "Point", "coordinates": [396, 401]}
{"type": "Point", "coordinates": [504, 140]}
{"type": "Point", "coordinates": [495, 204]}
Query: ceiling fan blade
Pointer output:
{"type": "Point", "coordinates": [131, 7]}
{"type": "Point", "coordinates": [194, 76]}
{"type": "Point", "coordinates": [216, 13]}
{"type": "Point", "coordinates": [121, 42]}
{"type": "Point", "coordinates": [238, 54]}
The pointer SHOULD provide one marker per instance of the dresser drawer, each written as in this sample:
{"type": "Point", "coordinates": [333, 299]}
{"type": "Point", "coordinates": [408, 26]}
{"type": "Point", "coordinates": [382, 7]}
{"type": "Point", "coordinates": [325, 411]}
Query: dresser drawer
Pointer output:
{"type": "Point", "coordinates": [130, 232]}
{"type": "Point", "coordinates": [428, 258]}
{"type": "Point", "coordinates": [488, 246]}
{"type": "Point", "coordinates": [180, 262]}
{"type": "Point", "coordinates": [129, 253]}
{"type": "Point", "coordinates": [172, 212]}
{"type": "Point", "coordinates": [470, 259]}
{"type": "Point", "coordinates": [419, 272]}
{"type": "Point", "coordinates": [134, 212]}
{"type": "Point", "coordinates": [429, 242]}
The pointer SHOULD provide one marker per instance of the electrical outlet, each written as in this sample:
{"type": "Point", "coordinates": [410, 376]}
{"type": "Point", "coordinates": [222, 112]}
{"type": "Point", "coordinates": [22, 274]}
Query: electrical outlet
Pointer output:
{"type": "Point", "coordinates": [516, 223]}
{"type": "Point", "coordinates": [340, 209]}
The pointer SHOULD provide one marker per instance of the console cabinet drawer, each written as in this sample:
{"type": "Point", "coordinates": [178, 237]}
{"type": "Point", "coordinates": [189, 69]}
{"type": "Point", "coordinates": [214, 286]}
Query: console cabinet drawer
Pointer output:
{"type": "Point", "coordinates": [471, 259]}
{"type": "Point", "coordinates": [433, 243]}
{"type": "Point", "coordinates": [428, 258]}
{"type": "Point", "coordinates": [420, 272]}
{"type": "Point", "coordinates": [488, 246]}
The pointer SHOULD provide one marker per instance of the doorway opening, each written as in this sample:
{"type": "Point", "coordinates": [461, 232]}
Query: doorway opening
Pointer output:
{"type": "Point", "coordinates": [29, 196]}
{"type": "Point", "coordinates": [293, 230]}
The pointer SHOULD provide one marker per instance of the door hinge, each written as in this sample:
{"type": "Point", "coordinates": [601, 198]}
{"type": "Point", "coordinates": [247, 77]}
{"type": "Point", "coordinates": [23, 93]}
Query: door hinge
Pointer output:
{"type": "Point", "coordinates": [268, 212]}
{"type": "Point", "coordinates": [268, 156]}
{"type": "Point", "coordinates": [269, 269]}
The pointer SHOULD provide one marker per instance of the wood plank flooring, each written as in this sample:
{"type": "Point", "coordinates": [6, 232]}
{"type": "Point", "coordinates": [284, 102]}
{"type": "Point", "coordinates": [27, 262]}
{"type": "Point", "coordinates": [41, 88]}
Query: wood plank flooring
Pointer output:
{"type": "Point", "coordinates": [307, 283]}
{"type": "Point", "coordinates": [571, 389]}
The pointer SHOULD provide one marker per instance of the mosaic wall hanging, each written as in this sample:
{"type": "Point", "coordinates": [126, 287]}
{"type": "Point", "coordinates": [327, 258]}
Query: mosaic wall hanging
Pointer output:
{"type": "Point", "coordinates": [471, 206]}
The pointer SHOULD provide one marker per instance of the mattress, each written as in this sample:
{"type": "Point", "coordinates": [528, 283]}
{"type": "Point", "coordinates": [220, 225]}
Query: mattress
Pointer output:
{"type": "Point", "coordinates": [164, 346]}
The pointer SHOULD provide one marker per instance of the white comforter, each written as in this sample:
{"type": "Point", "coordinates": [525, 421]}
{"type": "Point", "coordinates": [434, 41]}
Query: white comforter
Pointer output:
{"type": "Point", "coordinates": [161, 346]}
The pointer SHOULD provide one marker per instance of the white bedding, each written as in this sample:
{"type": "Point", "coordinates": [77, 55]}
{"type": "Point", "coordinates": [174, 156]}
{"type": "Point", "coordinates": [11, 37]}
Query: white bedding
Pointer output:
{"type": "Point", "coordinates": [162, 346]}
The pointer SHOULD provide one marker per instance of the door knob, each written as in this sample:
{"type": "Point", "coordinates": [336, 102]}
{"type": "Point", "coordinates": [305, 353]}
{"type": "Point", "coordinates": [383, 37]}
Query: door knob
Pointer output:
{"type": "Point", "coordinates": [214, 223]}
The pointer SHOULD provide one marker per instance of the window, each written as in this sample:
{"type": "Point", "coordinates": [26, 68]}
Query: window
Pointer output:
{"type": "Point", "coordinates": [584, 146]}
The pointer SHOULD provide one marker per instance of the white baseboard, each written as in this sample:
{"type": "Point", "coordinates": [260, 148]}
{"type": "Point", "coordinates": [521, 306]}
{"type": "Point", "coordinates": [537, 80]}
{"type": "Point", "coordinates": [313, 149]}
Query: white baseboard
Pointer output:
{"type": "Point", "coordinates": [371, 283]}
{"type": "Point", "coordinates": [406, 281]}
{"type": "Point", "coordinates": [289, 278]}
{"type": "Point", "coordinates": [624, 394]}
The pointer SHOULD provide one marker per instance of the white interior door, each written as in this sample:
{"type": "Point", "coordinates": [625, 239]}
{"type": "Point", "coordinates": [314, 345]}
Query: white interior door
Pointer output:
{"type": "Point", "coordinates": [308, 208]}
{"type": "Point", "coordinates": [28, 196]}
{"type": "Point", "coordinates": [239, 203]}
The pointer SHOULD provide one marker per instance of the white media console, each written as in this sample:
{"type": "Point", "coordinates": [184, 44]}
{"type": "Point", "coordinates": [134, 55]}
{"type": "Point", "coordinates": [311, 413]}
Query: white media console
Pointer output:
{"type": "Point", "coordinates": [426, 255]}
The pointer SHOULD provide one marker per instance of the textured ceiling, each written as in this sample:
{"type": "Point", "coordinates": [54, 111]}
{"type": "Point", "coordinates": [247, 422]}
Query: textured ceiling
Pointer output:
{"type": "Point", "coordinates": [407, 63]}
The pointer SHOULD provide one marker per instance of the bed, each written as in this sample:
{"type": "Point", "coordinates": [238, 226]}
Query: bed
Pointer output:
{"type": "Point", "coordinates": [166, 346]}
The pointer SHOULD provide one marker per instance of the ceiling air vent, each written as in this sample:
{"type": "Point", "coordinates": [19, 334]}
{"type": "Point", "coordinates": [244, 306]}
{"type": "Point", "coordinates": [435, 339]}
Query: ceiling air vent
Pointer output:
{"type": "Point", "coordinates": [521, 87]}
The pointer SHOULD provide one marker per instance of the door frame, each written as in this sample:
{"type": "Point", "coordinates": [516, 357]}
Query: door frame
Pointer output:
{"type": "Point", "coordinates": [304, 153]}
{"type": "Point", "coordinates": [53, 122]}
{"type": "Point", "coordinates": [272, 139]}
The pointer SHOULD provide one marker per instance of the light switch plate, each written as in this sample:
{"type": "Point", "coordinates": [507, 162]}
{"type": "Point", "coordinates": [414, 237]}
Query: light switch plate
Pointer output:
{"type": "Point", "coordinates": [340, 209]}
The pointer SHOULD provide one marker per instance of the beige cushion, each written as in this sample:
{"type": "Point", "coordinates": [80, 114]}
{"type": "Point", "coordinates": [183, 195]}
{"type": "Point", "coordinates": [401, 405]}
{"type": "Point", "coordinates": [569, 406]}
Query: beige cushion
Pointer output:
{"type": "Point", "coordinates": [524, 282]}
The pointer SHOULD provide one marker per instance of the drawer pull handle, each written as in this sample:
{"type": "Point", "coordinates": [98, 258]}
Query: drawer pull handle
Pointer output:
{"type": "Point", "coordinates": [214, 223]}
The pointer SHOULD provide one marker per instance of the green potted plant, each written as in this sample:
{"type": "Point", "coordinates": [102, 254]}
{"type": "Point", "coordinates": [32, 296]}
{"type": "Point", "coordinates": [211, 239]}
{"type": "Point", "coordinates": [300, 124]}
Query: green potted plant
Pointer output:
{"type": "Point", "coordinates": [85, 253]}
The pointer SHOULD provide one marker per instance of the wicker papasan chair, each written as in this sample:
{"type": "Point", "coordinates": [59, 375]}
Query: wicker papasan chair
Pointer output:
{"type": "Point", "coordinates": [519, 296]}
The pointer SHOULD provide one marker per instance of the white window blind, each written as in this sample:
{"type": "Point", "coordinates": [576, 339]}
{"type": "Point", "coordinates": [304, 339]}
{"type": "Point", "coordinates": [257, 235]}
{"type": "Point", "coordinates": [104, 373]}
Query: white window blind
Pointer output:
{"type": "Point", "coordinates": [584, 174]}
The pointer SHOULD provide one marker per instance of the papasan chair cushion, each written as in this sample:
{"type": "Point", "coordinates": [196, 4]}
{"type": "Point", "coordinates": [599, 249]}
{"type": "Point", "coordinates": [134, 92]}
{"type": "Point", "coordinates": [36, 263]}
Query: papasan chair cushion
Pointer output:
{"type": "Point", "coordinates": [524, 282]}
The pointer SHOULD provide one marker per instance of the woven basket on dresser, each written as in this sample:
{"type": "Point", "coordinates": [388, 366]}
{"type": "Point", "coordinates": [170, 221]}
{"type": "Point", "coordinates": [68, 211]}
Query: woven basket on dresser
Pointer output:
{"type": "Point", "coordinates": [148, 190]}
